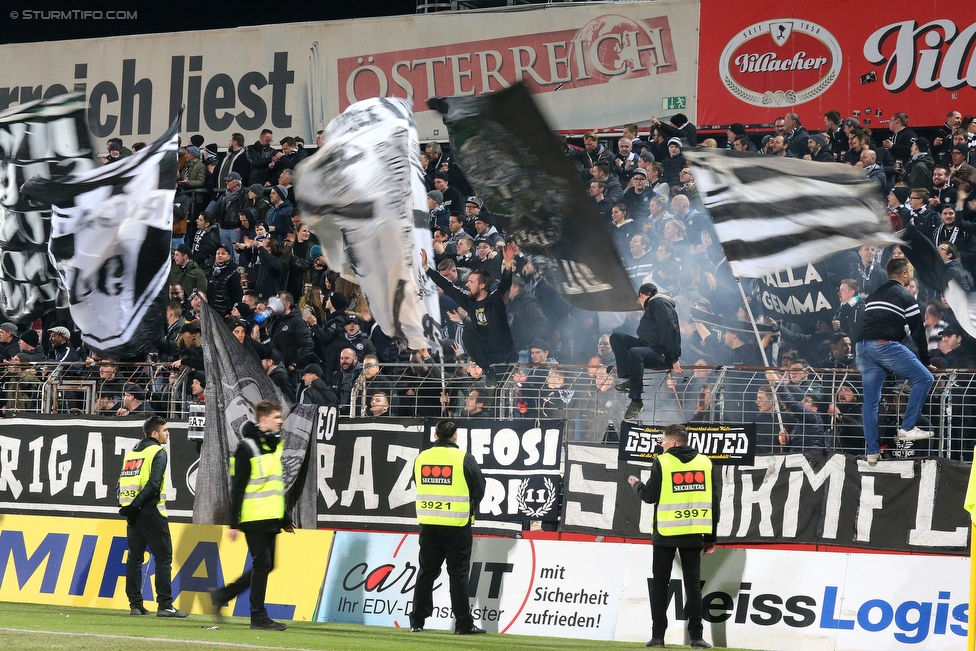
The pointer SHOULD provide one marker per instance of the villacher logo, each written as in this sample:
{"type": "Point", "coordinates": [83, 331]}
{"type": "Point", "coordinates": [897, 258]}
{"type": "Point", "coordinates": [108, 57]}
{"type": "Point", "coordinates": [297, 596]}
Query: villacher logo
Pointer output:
{"type": "Point", "coordinates": [780, 62]}
{"type": "Point", "coordinates": [436, 474]}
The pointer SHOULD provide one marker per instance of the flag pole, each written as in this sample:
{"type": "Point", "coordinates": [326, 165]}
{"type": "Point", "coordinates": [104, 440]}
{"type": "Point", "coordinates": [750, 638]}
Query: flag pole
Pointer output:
{"type": "Point", "coordinates": [752, 320]}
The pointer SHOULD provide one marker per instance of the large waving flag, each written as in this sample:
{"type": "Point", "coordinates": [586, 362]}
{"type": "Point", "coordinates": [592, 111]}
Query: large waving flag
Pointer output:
{"type": "Point", "coordinates": [236, 383]}
{"type": "Point", "coordinates": [772, 213]}
{"type": "Point", "coordinates": [46, 138]}
{"type": "Point", "coordinates": [363, 195]}
{"type": "Point", "coordinates": [111, 230]}
{"type": "Point", "coordinates": [931, 271]}
{"type": "Point", "coordinates": [509, 153]}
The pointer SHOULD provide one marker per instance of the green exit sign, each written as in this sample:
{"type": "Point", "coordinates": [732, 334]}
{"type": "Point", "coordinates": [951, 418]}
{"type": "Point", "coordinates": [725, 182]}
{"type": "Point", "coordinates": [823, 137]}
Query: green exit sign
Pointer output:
{"type": "Point", "coordinates": [675, 103]}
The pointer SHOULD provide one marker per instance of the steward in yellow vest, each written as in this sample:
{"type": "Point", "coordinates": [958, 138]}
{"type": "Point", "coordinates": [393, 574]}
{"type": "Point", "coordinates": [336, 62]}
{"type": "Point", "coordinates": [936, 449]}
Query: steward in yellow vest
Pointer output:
{"type": "Point", "coordinates": [682, 486]}
{"type": "Point", "coordinates": [257, 499]}
{"type": "Point", "coordinates": [142, 500]}
{"type": "Point", "coordinates": [449, 487]}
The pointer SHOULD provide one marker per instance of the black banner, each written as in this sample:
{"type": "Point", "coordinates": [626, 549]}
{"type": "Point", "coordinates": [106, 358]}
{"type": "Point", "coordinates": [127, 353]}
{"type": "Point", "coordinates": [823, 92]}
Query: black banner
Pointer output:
{"type": "Point", "coordinates": [70, 466]}
{"type": "Point", "coordinates": [365, 472]}
{"type": "Point", "coordinates": [903, 505]}
{"type": "Point", "coordinates": [724, 444]}
{"type": "Point", "coordinates": [509, 153]}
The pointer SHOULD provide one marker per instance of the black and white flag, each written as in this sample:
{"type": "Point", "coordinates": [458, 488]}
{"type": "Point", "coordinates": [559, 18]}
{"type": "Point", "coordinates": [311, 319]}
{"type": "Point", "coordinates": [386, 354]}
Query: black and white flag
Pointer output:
{"type": "Point", "coordinates": [509, 153]}
{"type": "Point", "coordinates": [46, 138]}
{"type": "Point", "coordinates": [363, 195]}
{"type": "Point", "coordinates": [236, 383]}
{"type": "Point", "coordinates": [773, 213]}
{"type": "Point", "coordinates": [111, 229]}
{"type": "Point", "coordinates": [931, 272]}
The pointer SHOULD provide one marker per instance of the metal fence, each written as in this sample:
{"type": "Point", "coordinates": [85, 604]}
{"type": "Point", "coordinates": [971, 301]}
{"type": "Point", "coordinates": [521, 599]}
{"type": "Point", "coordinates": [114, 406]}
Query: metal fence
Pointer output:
{"type": "Point", "coordinates": [582, 395]}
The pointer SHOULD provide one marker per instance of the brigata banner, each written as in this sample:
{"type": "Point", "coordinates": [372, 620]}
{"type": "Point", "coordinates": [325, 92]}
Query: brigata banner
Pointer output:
{"type": "Point", "coordinates": [365, 472]}
{"type": "Point", "coordinates": [908, 505]}
{"type": "Point", "coordinates": [526, 587]}
{"type": "Point", "coordinates": [81, 562]}
{"type": "Point", "coordinates": [294, 78]}
{"type": "Point", "coordinates": [767, 58]}
{"type": "Point", "coordinates": [71, 466]}
{"type": "Point", "coordinates": [724, 444]}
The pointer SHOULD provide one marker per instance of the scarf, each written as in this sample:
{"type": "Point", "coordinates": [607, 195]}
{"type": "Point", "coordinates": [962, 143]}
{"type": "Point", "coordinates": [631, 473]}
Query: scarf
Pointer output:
{"type": "Point", "coordinates": [219, 269]}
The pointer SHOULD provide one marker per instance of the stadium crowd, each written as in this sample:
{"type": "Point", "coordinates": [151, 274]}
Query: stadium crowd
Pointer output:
{"type": "Point", "coordinates": [239, 241]}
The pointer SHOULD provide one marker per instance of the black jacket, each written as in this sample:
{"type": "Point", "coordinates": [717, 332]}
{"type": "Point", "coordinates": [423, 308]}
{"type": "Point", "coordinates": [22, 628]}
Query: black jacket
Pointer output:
{"type": "Point", "coordinates": [488, 315]}
{"type": "Point", "coordinates": [281, 379]}
{"type": "Point", "coordinates": [205, 247]}
{"type": "Point", "coordinates": [268, 442]}
{"type": "Point", "coordinates": [290, 335]}
{"type": "Point", "coordinates": [881, 321]}
{"type": "Point", "coordinates": [224, 290]}
{"type": "Point", "coordinates": [318, 393]}
{"type": "Point", "coordinates": [658, 327]}
{"type": "Point", "coordinates": [258, 158]}
{"type": "Point", "coordinates": [651, 493]}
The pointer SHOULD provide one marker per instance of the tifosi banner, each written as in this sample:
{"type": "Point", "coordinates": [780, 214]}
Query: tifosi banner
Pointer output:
{"type": "Point", "coordinates": [766, 58]}
{"type": "Point", "coordinates": [908, 505]}
{"type": "Point", "coordinates": [71, 466]}
{"type": "Point", "coordinates": [591, 64]}
{"type": "Point", "coordinates": [365, 472]}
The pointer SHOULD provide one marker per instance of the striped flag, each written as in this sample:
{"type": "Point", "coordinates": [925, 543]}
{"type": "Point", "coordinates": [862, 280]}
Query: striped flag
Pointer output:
{"type": "Point", "coordinates": [931, 271]}
{"type": "Point", "coordinates": [111, 229]}
{"type": "Point", "coordinates": [774, 213]}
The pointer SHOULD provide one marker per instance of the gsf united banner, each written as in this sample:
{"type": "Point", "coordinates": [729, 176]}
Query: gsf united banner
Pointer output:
{"type": "Point", "coordinates": [81, 562]}
{"type": "Point", "coordinates": [909, 505]}
{"type": "Point", "coordinates": [724, 444]}
{"type": "Point", "coordinates": [766, 58]}
{"type": "Point", "coordinates": [71, 466]}
{"type": "Point", "coordinates": [365, 472]}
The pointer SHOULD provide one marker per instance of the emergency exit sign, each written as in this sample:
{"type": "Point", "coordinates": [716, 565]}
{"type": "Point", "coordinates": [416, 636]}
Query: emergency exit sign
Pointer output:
{"type": "Point", "coordinates": [675, 103]}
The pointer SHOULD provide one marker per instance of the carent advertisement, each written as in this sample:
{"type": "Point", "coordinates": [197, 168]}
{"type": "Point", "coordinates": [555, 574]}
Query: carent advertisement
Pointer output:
{"type": "Point", "coordinates": [525, 587]}
{"type": "Point", "coordinates": [767, 58]}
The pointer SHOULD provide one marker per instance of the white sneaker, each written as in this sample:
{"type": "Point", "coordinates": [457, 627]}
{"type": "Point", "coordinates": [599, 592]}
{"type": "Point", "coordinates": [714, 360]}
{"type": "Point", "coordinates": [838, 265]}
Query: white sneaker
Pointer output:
{"type": "Point", "coordinates": [872, 459]}
{"type": "Point", "coordinates": [914, 434]}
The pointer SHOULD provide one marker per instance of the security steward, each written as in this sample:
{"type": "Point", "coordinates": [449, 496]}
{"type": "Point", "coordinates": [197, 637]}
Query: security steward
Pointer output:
{"type": "Point", "coordinates": [681, 484]}
{"type": "Point", "coordinates": [257, 497]}
{"type": "Point", "coordinates": [142, 498]}
{"type": "Point", "coordinates": [449, 488]}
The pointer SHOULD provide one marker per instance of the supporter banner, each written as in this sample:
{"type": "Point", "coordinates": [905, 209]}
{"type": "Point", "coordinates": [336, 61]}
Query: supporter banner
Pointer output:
{"type": "Point", "coordinates": [525, 587]}
{"type": "Point", "coordinates": [764, 599]}
{"type": "Point", "coordinates": [43, 138]}
{"type": "Point", "coordinates": [294, 78]}
{"type": "Point", "coordinates": [238, 382]}
{"type": "Point", "coordinates": [363, 195]}
{"type": "Point", "coordinates": [799, 295]}
{"type": "Point", "coordinates": [71, 466]}
{"type": "Point", "coordinates": [111, 229]}
{"type": "Point", "coordinates": [520, 460]}
{"type": "Point", "coordinates": [766, 58]}
{"type": "Point", "coordinates": [365, 472]}
{"type": "Point", "coordinates": [907, 505]}
{"type": "Point", "coordinates": [724, 444]}
{"type": "Point", "coordinates": [509, 153]}
{"type": "Point", "coordinates": [81, 562]}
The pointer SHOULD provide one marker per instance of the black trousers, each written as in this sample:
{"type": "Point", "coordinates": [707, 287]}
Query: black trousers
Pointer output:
{"type": "Point", "coordinates": [149, 529]}
{"type": "Point", "coordinates": [437, 544]}
{"type": "Point", "coordinates": [633, 356]}
{"type": "Point", "coordinates": [691, 569]}
{"type": "Point", "coordinates": [481, 354]}
{"type": "Point", "coordinates": [261, 545]}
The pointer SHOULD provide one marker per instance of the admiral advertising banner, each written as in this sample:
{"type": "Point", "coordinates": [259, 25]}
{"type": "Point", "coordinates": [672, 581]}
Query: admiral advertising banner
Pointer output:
{"type": "Point", "coordinates": [365, 472]}
{"type": "Point", "coordinates": [766, 58]}
{"type": "Point", "coordinates": [907, 505]}
{"type": "Point", "coordinates": [294, 78]}
{"type": "Point", "coordinates": [525, 587]}
{"type": "Point", "coordinates": [71, 466]}
{"type": "Point", "coordinates": [81, 562]}
{"type": "Point", "coordinates": [722, 443]}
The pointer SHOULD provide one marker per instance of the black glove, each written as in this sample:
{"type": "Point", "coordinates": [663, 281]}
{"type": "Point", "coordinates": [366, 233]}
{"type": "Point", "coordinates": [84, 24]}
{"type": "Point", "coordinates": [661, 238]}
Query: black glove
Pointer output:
{"type": "Point", "coordinates": [129, 512]}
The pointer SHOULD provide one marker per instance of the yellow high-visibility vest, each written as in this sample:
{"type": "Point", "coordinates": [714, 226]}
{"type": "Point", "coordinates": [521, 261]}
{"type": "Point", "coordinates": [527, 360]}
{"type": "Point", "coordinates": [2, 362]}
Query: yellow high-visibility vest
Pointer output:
{"type": "Point", "coordinates": [442, 490]}
{"type": "Point", "coordinates": [264, 497]}
{"type": "Point", "coordinates": [136, 468]}
{"type": "Point", "coordinates": [685, 506]}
